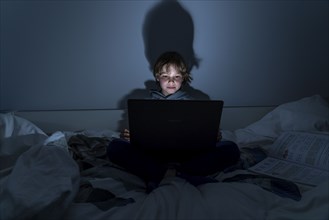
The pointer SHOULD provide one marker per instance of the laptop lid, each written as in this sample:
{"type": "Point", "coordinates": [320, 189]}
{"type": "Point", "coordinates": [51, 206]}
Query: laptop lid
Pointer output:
{"type": "Point", "coordinates": [174, 125]}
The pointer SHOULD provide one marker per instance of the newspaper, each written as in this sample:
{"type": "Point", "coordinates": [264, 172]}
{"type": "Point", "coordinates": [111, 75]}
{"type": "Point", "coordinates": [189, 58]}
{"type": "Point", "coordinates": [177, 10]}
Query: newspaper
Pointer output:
{"type": "Point", "coordinates": [299, 157]}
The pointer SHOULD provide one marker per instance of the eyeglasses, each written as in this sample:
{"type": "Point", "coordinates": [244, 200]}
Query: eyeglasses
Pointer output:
{"type": "Point", "coordinates": [165, 77]}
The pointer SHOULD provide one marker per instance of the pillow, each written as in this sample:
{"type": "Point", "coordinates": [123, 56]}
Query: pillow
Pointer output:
{"type": "Point", "coordinates": [310, 114]}
{"type": "Point", "coordinates": [12, 125]}
{"type": "Point", "coordinates": [307, 114]}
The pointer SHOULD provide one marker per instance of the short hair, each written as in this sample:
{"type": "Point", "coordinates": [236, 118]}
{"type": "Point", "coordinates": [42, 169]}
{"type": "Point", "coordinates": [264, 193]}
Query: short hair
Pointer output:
{"type": "Point", "coordinates": [175, 59]}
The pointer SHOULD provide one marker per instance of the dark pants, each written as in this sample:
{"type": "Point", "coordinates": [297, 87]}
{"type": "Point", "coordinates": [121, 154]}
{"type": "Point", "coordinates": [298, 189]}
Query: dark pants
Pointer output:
{"type": "Point", "coordinates": [150, 168]}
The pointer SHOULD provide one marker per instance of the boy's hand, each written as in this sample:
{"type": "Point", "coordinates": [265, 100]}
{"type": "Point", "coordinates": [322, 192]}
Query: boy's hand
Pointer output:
{"type": "Point", "coordinates": [125, 134]}
{"type": "Point", "coordinates": [219, 136]}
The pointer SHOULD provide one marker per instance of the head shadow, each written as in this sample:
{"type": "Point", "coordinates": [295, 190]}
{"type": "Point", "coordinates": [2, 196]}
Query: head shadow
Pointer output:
{"type": "Point", "coordinates": [168, 26]}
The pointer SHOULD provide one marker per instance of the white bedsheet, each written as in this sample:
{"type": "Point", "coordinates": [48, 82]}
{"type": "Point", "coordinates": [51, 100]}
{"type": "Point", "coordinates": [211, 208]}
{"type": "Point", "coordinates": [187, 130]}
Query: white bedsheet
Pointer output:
{"type": "Point", "coordinates": [313, 205]}
{"type": "Point", "coordinates": [177, 199]}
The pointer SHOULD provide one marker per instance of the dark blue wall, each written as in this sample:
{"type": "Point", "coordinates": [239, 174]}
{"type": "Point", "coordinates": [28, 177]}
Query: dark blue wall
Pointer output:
{"type": "Point", "coordinates": [95, 54]}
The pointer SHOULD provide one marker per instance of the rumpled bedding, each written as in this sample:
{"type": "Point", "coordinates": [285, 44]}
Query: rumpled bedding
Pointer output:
{"type": "Point", "coordinates": [43, 181]}
{"type": "Point", "coordinates": [46, 183]}
{"type": "Point", "coordinates": [90, 152]}
{"type": "Point", "coordinates": [49, 178]}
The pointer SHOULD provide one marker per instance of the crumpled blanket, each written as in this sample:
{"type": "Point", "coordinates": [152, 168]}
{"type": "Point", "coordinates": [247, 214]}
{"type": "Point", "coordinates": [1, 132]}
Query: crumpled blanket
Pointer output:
{"type": "Point", "coordinates": [89, 152]}
{"type": "Point", "coordinates": [101, 198]}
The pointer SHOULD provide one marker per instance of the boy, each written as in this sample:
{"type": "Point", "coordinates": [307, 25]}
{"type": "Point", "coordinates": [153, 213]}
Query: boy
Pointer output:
{"type": "Point", "coordinates": [170, 73]}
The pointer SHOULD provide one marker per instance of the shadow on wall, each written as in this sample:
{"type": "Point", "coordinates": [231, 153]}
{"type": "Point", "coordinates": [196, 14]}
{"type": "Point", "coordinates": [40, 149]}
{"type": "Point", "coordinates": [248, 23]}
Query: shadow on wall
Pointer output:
{"type": "Point", "coordinates": [167, 27]}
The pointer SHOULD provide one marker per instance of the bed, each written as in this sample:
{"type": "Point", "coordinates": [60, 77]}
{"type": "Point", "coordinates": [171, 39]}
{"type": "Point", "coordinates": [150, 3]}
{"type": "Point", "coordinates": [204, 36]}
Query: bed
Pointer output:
{"type": "Point", "coordinates": [65, 175]}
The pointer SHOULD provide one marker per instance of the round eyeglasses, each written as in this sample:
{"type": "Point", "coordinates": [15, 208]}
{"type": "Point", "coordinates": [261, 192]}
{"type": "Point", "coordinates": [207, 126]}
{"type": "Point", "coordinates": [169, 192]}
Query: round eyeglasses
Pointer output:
{"type": "Point", "coordinates": [177, 78]}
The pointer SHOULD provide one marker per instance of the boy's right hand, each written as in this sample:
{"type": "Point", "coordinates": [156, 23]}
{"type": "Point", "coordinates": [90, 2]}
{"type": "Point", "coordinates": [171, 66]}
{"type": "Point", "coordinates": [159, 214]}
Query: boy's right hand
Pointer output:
{"type": "Point", "coordinates": [125, 134]}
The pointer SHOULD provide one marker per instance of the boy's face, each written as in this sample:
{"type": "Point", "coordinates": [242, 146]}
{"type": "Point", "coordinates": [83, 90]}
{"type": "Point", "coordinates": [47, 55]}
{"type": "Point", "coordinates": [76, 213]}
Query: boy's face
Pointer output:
{"type": "Point", "coordinates": [170, 80]}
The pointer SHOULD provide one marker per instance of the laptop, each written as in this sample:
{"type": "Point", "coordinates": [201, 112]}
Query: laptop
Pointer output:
{"type": "Point", "coordinates": [171, 128]}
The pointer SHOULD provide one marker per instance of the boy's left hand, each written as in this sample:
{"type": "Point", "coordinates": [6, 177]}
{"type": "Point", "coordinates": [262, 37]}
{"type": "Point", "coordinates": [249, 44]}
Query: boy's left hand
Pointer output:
{"type": "Point", "coordinates": [219, 136]}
